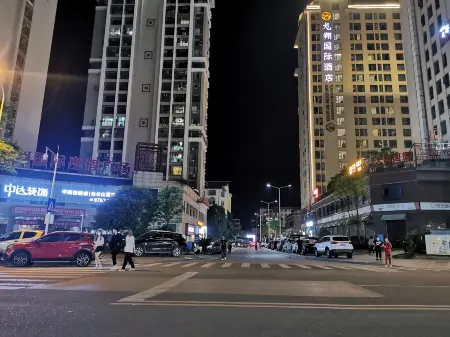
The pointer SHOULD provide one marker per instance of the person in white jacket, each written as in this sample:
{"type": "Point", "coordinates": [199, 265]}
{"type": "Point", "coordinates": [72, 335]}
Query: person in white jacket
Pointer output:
{"type": "Point", "coordinates": [99, 241]}
{"type": "Point", "coordinates": [129, 250]}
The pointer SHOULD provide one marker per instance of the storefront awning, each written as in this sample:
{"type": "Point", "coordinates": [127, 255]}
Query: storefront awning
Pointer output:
{"type": "Point", "coordinates": [390, 217]}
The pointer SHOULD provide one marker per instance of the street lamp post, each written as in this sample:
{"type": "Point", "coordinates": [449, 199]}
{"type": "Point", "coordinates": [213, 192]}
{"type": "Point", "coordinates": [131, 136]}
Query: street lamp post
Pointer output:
{"type": "Point", "coordinates": [279, 201]}
{"type": "Point", "coordinates": [268, 212]}
{"type": "Point", "coordinates": [45, 157]}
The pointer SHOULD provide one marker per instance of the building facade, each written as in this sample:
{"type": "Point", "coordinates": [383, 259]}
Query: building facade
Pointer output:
{"type": "Point", "coordinates": [148, 83]}
{"type": "Point", "coordinates": [426, 28]}
{"type": "Point", "coordinates": [218, 193]}
{"type": "Point", "coordinates": [26, 33]}
{"type": "Point", "coordinates": [353, 93]}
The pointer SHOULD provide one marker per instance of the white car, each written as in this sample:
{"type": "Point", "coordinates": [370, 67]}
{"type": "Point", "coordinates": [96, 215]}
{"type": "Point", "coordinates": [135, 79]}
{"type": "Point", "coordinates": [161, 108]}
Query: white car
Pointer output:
{"type": "Point", "coordinates": [334, 245]}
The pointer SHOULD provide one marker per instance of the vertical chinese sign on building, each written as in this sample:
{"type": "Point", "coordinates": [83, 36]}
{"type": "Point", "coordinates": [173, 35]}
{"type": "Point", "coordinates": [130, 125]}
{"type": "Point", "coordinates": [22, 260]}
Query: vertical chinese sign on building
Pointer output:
{"type": "Point", "coordinates": [328, 71]}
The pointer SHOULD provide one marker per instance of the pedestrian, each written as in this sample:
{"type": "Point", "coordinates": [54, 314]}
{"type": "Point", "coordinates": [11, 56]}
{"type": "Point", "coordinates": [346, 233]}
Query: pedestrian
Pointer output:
{"type": "Point", "coordinates": [371, 245]}
{"type": "Point", "coordinates": [256, 245]}
{"type": "Point", "coordinates": [223, 247]}
{"type": "Point", "coordinates": [387, 252]}
{"type": "Point", "coordinates": [115, 245]}
{"type": "Point", "coordinates": [378, 245]}
{"type": "Point", "coordinates": [289, 248]}
{"type": "Point", "coordinates": [99, 241]}
{"type": "Point", "coordinates": [229, 247]}
{"type": "Point", "coordinates": [129, 251]}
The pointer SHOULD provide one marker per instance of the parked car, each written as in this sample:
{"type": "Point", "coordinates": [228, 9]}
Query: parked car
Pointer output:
{"type": "Point", "coordinates": [160, 242]}
{"type": "Point", "coordinates": [18, 236]}
{"type": "Point", "coordinates": [334, 245]}
{"type": "Point", "coordinates": [216, 247]}
{"type": "Point", "coordinates": [73, 247]}
{"type": "Point", "coordinates": [280, 245]}
{"type": "Point", "coordinates": [308, 245]}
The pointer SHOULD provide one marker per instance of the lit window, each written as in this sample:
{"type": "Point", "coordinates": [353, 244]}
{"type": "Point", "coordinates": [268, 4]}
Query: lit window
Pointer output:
{"type": "Point", "coordinates": [340, 121]}
{"type": "Point", "coordinates": [342, 143]}
{"type": "Point", "coordinates": [335, 16]}
{"type": "Point", "coordinates": [341, 132]}
{"type": "Point", "coordinates": [339, 99]}
{"type": "Point", "coordinates": [177, 170]}
{"type": "Point", "coordinates": [337, 57]}
{"type": "Point", "coordinates": [342, 155]}
{"type": "Point", "coordinates": [339, 110]}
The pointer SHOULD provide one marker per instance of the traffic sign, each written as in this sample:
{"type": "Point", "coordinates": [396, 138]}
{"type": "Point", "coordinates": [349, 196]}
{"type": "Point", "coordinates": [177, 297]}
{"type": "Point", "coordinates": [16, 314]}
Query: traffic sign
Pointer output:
{"type": "Point", "coordinates": [51, 205]}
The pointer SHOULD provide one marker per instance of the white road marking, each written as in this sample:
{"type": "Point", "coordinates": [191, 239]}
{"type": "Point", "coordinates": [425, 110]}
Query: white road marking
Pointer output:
{"type": "Point", "coordinates": [303, 266]}
{"type": "Point", "coordinates": [340, 267]}
{"type": "Point", "coordinates": [285, 266]}
{"type": "Point", "coordinates": [245, 265]}
{"type": "Point", "coordinates": [151, 264]}
{"type": "Point", "coordinates": [189, 265]}
{"type": "Point", "coordinates": [22, 284]}
{"type": "Point", "coordinates": [9, 288]}
{"type": "Point", "coordinates": [170, 264]}
{"type": "Point", "coordinates": [322, 267]}
{"type": "Point", "coordinates": [226, 265]}
{"type": "Point", "coordinates": [207, 265]}
{"type": "Point", "coordinates": [163, 287]}
{"type": "Point", "coordinates": [265, 265]}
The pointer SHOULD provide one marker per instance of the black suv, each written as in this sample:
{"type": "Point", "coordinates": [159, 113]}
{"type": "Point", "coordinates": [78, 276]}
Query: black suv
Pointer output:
{"type": "Point", "coordinates": [160, 242]}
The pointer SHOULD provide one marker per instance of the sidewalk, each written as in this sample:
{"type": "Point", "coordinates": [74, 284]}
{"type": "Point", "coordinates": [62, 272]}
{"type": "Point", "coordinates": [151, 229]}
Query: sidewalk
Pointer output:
{"type": "Point", "coordinates": [404, 263]}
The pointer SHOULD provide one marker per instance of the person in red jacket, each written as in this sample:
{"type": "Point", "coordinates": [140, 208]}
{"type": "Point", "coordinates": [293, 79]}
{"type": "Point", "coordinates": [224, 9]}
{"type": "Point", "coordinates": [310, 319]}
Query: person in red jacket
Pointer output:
{"type": "Point", "coordinates": [387, 252]}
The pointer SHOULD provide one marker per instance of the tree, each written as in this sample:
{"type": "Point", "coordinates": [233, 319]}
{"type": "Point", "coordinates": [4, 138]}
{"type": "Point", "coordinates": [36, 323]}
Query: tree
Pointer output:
{"type": "Point", "coordinates": [130, 208]}
{"type": "Point", "coordinates": [11, 155]}
{"type": "Point", "coordinates": [217, 221]}
{"type": "Point", "coordinates": [169, 205]}
{"type": "Point", "coordinates": [272, 227]}
{"type": "Point", "coordinates": [375, 156]}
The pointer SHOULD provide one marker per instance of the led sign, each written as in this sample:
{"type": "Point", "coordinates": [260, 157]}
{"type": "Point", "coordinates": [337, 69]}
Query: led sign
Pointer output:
{"type": "Point", "coordinates": [356, 167]}
{"type": "Point", "coordinates": [27, 191]}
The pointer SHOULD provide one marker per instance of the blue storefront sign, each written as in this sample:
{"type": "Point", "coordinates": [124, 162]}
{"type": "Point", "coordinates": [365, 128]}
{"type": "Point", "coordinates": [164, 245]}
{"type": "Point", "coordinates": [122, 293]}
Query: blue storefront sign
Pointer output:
{"type": "Point", "coordinates": [196, 234]}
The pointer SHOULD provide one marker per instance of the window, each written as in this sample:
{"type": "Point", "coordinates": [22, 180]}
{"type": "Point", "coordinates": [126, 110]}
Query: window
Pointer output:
{"type": "Point", "coordinates": [355, 26]}
{"type": "Point", "coordinates": [357, 67]}
{"type": "Point", "coordinates": [436, 67]}
{"type": "Point", "coordinates": [441, 107]}
{"type": "Point", "coordinates": [406, 121]}
{"type": "Point", "coordinates": [341, 132]}
{"type": "Point", "coordinates": [359, 88]}
{"type": "Point", "coordinates": [439, 87]}
{"type": "Point", "coordinates": [434, 48]}
{"type": "Point", "coordinates": [405, 110]}
{"type": "Point", "coordinates": [433, 112]}
{"type": "Point", "coordinates": [361, 143]}
{"type": "Point", "coordinates": [431, 92]}
{"type": "Point", "coordinates": [397, 26]}
{"type": "Point", "coordinates": [52, 238]}
{"type": "Point", "coordinates": [403, 99]}
{"type": "Point", "coordinates": [393, 192]}
{"type": "Point", "coordinates": [383, 26]}
{"type": "Point", "coordinates": [406, 132]}
{"type": "Point", "coordinates": [402, 88]}
{"type": "Point", "coordinates": [358, 78]}
{"type": "Point", "coordinates": [359, 110]}
{"type": "Point", "coordinates": [28, 235]}
{"type": "Point", "coordinates": [176, 170]}
{"type": "Point", "coordinates": [398, 36]}
{"type": "Point", "coordinates": [429, 77]}
{"type": "Point", "coordinates": [437, 3]}
{"type": "Point", "coordinates": [374, 88]}
{"type": "Point", "coordinates": [446, 81]}
{"type": "Point", "coordinates": [361, 132]}
{"type": "Point", "coordinates": [339, 110]}
{"type": "Point", "coordinates": [354, 16]}
{"type": "Point", "coordinates": [443, 128]}
{"type": "Point", "coordinates": [342, 143]}
{"type": "Point", "coordinates": [70, 237]}
{"type": "Point", "coordinates": [392, 132]}
{"type": "Point", "coordinates": [387, 67]}
{"type": "Point", "coordinates": [357, 57]}
{"type": "Point", "coordinates": [339, 99]}
{"type": "Point", "coordinates": [396, 16]}
{"type": "Point", "coordinates": [392, 143]}
{"type": "Point", "coordinates": [340, 121]}
{"type": "Point", "coordinates": [402, 77]}
{"type": "Point", "coordinates": [407, 144]}
{"type": "Point", "coordinates": [388, 88]}
{"type": "Point", "coordinates": [399, 57]}
{"type": "Point", "coordinates": [11, 236]}
{"type": "Point", "coordinates": [425, 38]}
{"type": "Point", "coordinates": [432, 30]}
{"type": "Point", "coordinates": [342, 155]}
{"type": "Point", "coordinates": [444, 60]}
{"type": "Point", "coordinates": [429, 11]}
{"type": "Point", "coordinates": [355, 37]}
{"type": "Point", "coordinates": [360, 121]}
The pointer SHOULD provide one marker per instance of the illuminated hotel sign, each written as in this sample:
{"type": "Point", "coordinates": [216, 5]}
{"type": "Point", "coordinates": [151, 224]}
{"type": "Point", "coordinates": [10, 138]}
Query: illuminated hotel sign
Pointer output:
{"type": "Point", "coordinates": [328, 70]}
{"type": "Point", "coordinates": [356, 167]}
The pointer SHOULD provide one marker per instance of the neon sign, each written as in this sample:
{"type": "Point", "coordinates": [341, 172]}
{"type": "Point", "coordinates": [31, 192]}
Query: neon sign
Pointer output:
{"type": "Point", "coordinates": [94, 196]}
{"type": "Point", "coordinates": [356, 167]}
{"type": "Point", "coordinates": [27, 191]}
{"type": "Point", "coordinates": [328, 70]}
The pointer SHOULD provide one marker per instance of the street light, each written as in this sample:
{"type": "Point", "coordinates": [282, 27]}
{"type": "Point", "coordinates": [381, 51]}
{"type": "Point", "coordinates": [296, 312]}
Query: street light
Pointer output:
{"type": "Point", "coordinates": [268, 212]}
{"type": "Point", "coordinates": [45, 157]}
{"type": "Point", "coordinates": [279, 200]}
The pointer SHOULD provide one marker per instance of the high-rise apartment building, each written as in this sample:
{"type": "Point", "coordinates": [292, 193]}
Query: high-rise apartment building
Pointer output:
{"type": "Point", "coordinates": [149, 83]}
{"type": "Point", "coordinates": [26, 33]}
{"type": "Point", "coordinates": [426, 27]}
{"type": "Point", "coordinates": [353, 93]}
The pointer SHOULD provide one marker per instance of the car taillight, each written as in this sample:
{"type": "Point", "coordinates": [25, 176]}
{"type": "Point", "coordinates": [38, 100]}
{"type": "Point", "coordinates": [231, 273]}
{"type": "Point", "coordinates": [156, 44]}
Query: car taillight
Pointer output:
{"type": "Point", "coordinates": [333, 242]}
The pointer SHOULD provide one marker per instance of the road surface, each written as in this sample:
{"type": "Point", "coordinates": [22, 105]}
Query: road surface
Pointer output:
{"type": "Point", "coordinates": [262, 293]}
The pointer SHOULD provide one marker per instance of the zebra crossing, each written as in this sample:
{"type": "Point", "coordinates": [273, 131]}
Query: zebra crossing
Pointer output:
{"type": "Point", "coordinates": [14, 279]}
{"type": "Point", "coordinates": [282, 266]}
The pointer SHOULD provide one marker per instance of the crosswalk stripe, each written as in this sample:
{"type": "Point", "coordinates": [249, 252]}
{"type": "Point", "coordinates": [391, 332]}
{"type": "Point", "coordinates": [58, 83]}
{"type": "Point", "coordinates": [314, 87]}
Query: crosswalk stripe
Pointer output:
{"type": "Point", "coordinates": [303, 266]}
{"type": "Point", "coordinates": [152, 264]}
{"type": "Point", "coordinates": [265, 265]}
{"type": "Point", "coordinates": [19, 280]}
{"type": "Point", "coordinates": [285, 266]}
{"type": "Point", "coordinates": [189, 265]}
{"type": "Point", "coordinates": [322, 267]}
{"type": "Point", "coordinates": [207, 265]}
{"type": "Point", "coordinates": [10, 288]}
{"type": "Point", "coordinates": [245, 265]}
{"type": "Point", "coordinates": [344, 268]}
{"type": "Point", "coordinates": [371, 269]}
{"type": "Point", "coordinates": [170, 264]}
{"type": "Point", "coordinates": [226, 265]}
{"type": "Point", "coordinates": [92, 271]}
{"type": "Point", "coordinates": [22, 284]}
{"type": "Point", "coordinates": [41, 276]}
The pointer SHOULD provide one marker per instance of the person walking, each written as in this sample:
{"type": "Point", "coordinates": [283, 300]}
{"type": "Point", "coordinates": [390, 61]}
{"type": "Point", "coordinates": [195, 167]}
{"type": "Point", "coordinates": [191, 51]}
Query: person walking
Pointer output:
{"type": "Point", "coordinates": [230, 246]}
{"type": "Point", "coordinates": [129, 250]}
{"type": "Point", "coordinates": [371, 245]}
{"type": "Point", "coordinates": [289, 247]}
{"type": "Point", "coordinates": [223, 247]}
{"type": "Point", "coordinates": [378, 245]}
{"type": "Point", "coordinates": [115, 245]}
{"type": "Point", "coordinates": [99, 241]}
{"type": "Point", "coordinates": [387, 253]}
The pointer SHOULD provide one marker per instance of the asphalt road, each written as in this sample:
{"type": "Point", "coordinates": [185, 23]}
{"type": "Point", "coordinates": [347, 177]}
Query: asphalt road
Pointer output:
{"type": "Point", "coordinates": [254, 292]}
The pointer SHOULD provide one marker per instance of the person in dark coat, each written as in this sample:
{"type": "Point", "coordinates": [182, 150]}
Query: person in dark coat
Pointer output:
{"type": "Point", "coordinates": [115, 245]}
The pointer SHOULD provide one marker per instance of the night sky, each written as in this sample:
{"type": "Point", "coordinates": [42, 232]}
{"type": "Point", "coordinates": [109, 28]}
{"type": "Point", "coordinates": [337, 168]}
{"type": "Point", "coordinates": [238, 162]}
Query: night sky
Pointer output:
{"type": "Point", "coordinates": [252, 116]}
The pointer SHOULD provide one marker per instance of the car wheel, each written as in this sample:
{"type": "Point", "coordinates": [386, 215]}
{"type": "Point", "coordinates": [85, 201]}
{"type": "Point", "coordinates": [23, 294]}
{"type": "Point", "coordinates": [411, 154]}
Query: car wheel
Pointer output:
{"type": "Point", "coordinates": [328, 253]}
{"type": "Point", "coordinates": [176, 251]}
{"type": "Point", "coordinates": [336, 255]}
{"type": "Point", "coordinates": [316, 252]}
{"type": "Point", "coordinates": [21, 259]}
{"type": "Point", "coordinates": [139, 251]}
{"type": "Point", "coordinates": [349, 255]}
{"type": "Point", "coordinates": [82, 259]}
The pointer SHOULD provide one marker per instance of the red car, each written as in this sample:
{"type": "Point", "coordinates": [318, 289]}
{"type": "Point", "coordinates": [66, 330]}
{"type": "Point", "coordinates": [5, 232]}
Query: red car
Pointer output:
{"type": "Point", "coordinates": [73, 247]}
